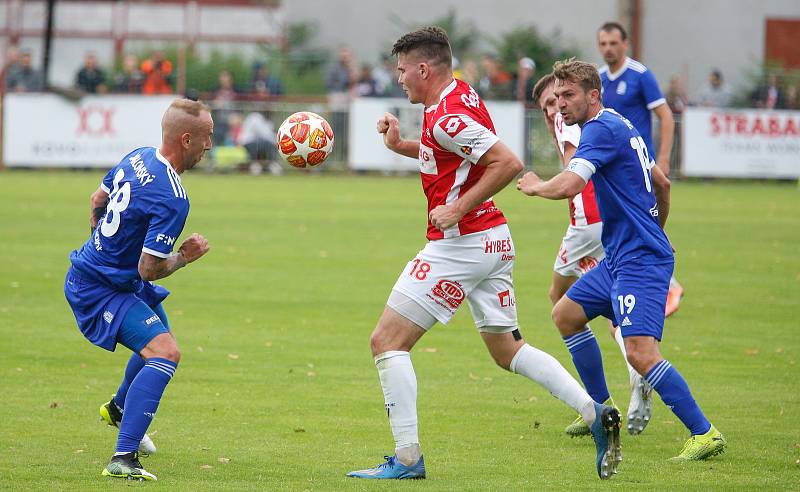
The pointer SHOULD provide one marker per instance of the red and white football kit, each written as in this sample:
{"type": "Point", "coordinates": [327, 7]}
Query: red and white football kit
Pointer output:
{"type": "Point", "coordinates": [581, 249]}
{"type": "Point", "coordinates": [472, 260]}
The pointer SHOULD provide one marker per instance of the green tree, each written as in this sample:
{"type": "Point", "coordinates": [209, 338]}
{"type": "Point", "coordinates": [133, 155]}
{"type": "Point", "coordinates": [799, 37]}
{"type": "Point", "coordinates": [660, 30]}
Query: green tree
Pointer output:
{"type": "Point", "coordinates": [527, 41]}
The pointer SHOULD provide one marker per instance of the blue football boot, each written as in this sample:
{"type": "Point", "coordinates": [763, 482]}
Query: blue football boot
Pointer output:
{"type": "Point", "coordinates": [605, 432]}
{"type": "Point", "coordinates": [392, 470]}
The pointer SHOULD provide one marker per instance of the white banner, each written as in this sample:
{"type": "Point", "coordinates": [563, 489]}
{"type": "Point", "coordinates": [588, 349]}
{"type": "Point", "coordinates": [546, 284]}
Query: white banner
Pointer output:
{"type": "Point", "coordinates": [96, 131]}
{"type": "Point", "coordinates": [367, 151]}
{"type": "Point", "coordinates": [748, 143]}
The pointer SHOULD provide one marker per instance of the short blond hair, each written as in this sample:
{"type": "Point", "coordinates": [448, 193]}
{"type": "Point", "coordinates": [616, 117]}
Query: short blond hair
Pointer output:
{"type": "Point", "coordinates": [579, 72]}
{"type": "Point", "coordinates": [189, 106]}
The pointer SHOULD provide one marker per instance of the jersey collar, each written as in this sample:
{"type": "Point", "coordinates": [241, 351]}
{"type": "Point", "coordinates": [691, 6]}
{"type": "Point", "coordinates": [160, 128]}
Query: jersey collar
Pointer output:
{"type": "Point", "coordinates": [166, 163]}
{"type": "Point", "coordinates": [614, 76]}
{"type": "Point", "coordinates": [447, 90]}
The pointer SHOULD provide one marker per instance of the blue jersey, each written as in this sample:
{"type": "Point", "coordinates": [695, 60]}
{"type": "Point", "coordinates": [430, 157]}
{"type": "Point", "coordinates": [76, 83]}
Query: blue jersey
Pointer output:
{"type": "Point", "coordinates": [632, 92]}
{"type": "Point", "coordinates": [146, 212]}
{"type": "Point", "coordinates": [613, 154]}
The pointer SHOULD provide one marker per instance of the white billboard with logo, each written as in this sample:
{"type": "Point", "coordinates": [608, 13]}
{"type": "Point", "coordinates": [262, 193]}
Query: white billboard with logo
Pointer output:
{"type": "Point", "coordinates": [367, 152]}
{"type": "Point", "coordinates": [47, 130]}
{"type": "Point", "coordinates": [748, 143]}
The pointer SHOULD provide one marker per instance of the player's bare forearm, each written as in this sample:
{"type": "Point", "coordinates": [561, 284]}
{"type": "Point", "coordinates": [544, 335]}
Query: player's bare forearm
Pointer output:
{"type": "Point", "coordinates": [502, 166]}
{"type": "Point", "coordinates": [667, 133]}
{"type": "Point", "coordinates": [408, 148]}
{"type": "Point", "coordinates": [97, 207]}
{"type": "Point", "coordinates": [661, 188]}
{"type": "Point", "coordinates": [153, 268]}
{"type": "Point", "coordinates": [565, 184]}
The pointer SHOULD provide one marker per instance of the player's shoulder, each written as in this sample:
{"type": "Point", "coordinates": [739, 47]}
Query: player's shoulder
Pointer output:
{"type": "Point", "coordinates": [460, 98]}
{"type": "Point", "coordinates": [154, 171]}
{"type": "Point", "coordinates": [636, 66]}
{"type": "Point", "coordinates": [603, 71]}
{"type": "Point", "coordinates": [602, 125]}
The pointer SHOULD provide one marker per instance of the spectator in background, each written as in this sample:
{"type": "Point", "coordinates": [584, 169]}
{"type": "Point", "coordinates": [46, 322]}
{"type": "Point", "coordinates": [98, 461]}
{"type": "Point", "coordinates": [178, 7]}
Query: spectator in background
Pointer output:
{"type": "Point", "coordinates": [130, 80]}
{"type": "Point", "coordinates": [524, 83]}
{"type": "Point", "coordinates": [339, 79]}
{"type": "Point", "coordinates": [768, 95]}
{"type": "Point", "coordinates": [25, 78]}
{"type": "Point", "coordinates": [792, 97]}
{"type": "Point", "coordinates": [677, 99]}
{"type": "Point", "coordinates": [470, 73]}
{"type": "Point", "coordinates": [91, 78]}
{"type": "Point", "coordinates": [264, 84]}
{"type": "Point", "coordinates": [365, 84]}
{"type": "Point", "coordinates": [10, 63]}
{"type": "Point", "coordinates": [222, 106]}
{"type": "Point", "coordinates": [258, 137]}
{"type": "Point", "coordinates": [385, 77]}
{"type": "Point", "coordinates": [496, 83]}
{"type": "Point", "coordinates": [716, 93]}
{"type": "Point", "coordinates": [157, 75]}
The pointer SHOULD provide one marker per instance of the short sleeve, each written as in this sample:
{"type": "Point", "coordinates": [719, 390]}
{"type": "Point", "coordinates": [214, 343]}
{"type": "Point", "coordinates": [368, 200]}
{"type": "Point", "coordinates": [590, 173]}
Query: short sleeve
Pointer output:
{"type": "Point", "coordinates": [108, 181]}
{"type": "Point", "coordinates": [596, 149]}
{"type": "Point", "coordinates": [464, 136]}
{"type": "Point", "coordinates": [652, 94]}
{"type": "Point", "coordinates": [567, 134]}
{"type": "Point", "coordinates": [166, 220]}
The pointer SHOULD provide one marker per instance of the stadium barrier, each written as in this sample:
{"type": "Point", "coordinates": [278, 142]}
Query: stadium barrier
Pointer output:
{"type": "Point", "coordinates": [746, 143]}
{"type": "Point", "coordinates": [47, 130]}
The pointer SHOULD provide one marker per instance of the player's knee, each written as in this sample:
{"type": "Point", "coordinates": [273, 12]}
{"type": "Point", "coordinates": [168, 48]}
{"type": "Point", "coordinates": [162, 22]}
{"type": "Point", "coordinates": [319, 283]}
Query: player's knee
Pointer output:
{"type": "Point", "coordinates": [377, 342]}
{"type": "Point", "coordinates": [642, 361]}
{"type": "Point", "coordinates": [560, 318]}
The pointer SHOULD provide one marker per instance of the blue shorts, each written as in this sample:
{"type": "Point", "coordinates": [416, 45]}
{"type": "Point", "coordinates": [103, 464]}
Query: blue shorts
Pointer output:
{"type": "Point", "coordinates": [102, 312]}
{"type": "Point", "coordinates": [633, 296]}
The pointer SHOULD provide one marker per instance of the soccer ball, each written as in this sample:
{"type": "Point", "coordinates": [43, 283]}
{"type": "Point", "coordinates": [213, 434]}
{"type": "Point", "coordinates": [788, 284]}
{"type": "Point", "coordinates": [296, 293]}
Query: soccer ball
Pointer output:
{"type": "Point", "coordinates": [305, 139]}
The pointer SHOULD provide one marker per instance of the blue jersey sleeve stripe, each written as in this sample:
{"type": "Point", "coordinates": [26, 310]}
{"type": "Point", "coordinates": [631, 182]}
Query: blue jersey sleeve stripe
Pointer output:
{"type": "Point", "coordinates": [155, 253]}
{"type": "Point", "coordinates": [656, 103]}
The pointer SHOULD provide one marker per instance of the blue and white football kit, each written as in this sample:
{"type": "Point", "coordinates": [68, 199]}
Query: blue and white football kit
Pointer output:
{"type": "Point", "coordinates": [633, 92]}
{"type": "Point", "coordinates": [146, 211]}
{"type": "Point", "coordinates": [630, 284]}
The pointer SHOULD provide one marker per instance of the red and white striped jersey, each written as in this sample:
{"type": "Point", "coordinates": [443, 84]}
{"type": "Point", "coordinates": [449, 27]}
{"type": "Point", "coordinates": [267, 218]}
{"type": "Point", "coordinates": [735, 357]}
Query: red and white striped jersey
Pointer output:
{"type": "Point", "coordinates": [456, 132]}
{"type": "Point", "coordinates": [583, 208]}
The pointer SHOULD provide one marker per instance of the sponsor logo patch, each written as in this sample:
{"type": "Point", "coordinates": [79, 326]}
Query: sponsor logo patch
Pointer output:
{"type": "Point", "coordinates": [450, 292]}
{"type": "Point", "coordinates": [152, 319]}
{"type": "Point", "coordinates": [108, 316]}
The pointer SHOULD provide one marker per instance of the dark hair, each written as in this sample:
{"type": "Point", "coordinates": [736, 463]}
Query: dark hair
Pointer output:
{"type": "Point", "coordinates": [430, 42]}
{"type": "Point", "coordinates": [579, 72]}
{"type": "Point", "coordinates": [610, 26]}
{"type": "Point", "coordinates": [541, 85]}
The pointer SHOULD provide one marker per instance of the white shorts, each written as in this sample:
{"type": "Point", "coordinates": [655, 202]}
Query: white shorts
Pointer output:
{"type": "Point", "coordinates": [476, 267]}
{"type": "Point", "coordinates": [581, 250]}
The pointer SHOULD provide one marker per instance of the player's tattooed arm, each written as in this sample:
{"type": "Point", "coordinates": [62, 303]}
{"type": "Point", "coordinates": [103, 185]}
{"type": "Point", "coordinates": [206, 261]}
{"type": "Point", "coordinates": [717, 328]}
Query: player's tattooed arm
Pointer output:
{"type": "Point", "coordinates": [153, 268]}
{"type": "Point", "coordinates": [97, 207]}
{"type": "Point", "coordinates": [661, 188]}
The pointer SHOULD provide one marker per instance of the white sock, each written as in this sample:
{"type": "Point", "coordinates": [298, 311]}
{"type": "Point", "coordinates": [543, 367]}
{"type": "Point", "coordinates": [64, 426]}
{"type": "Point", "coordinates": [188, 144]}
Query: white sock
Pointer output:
{"type": "Point", "coordinates": [544, 369]}
{"type": "Point", "coordinates": [621, 342]}
{"type": "Point", "coordinates": [399, 385]}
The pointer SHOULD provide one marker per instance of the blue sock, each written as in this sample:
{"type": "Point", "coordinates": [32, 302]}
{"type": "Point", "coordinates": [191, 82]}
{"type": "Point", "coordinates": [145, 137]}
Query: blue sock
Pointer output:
{"type": "Point", "coordinates": [675, 393]}
{"type": "Point", "coordinates": [142, 401]}
{"type": "Point", "coordinates": [589, 362]}
{"type": "Point", "coordinates": [135, 364]}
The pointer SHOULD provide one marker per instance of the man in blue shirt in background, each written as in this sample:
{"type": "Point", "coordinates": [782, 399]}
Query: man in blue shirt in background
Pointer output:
{"type": "Point", "coordinates": [630, 284]}
{"type": "Point", "coordinates": [137, 214]}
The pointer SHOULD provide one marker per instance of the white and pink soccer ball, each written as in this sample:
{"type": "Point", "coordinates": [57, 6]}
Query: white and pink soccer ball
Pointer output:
{"type": "Point", "coordinates": [305, 139]}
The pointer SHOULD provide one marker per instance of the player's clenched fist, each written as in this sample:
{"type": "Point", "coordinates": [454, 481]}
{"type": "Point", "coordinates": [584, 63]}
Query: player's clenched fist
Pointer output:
{"type": "Point", "coordinates": [389, 126]}
{"type": "Point", "coordinates": [528, 182]}
{"type": "Point", "coordinates": [194, 247]}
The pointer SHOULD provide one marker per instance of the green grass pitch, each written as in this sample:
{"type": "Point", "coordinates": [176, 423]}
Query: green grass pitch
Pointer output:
{"type": "Point", "coordinates": [277, 390]}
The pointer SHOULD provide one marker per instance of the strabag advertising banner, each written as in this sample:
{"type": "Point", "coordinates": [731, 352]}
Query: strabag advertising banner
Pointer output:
{"type": "Point", "coordinates": [748, 143]}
